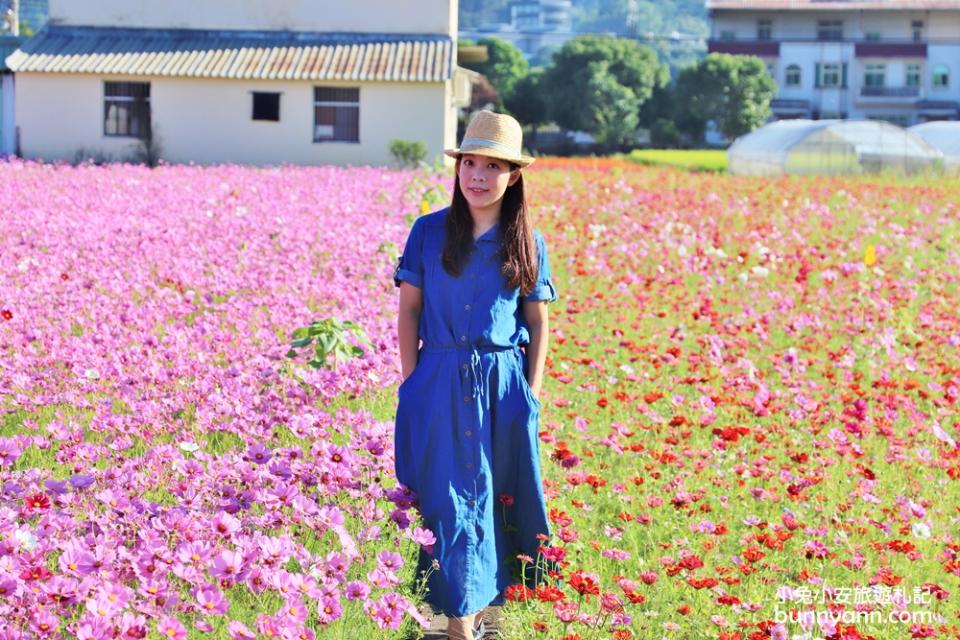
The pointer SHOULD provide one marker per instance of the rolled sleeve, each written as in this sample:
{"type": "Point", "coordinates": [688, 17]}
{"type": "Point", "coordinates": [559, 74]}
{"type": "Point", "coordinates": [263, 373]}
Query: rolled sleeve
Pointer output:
{"type": "Point", "coordinates": [543, 290]}
{"type": "Point", "coordinates": [410, 264]}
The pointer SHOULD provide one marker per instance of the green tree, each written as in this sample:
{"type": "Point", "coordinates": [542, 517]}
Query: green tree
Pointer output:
{"type": "Point", "coordinates": [527, 101]}
{"type": "Point", "coordinates": [504, 67]}
{"type": "Point", "coordinates": [733, 91]}
{"type": "Point", "coordinates": [598, 84]}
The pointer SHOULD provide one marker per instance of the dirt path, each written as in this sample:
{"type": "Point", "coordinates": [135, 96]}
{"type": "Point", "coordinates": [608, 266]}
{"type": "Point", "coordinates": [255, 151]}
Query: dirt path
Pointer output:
{"type": "Point", "coordinates": [438, 625]}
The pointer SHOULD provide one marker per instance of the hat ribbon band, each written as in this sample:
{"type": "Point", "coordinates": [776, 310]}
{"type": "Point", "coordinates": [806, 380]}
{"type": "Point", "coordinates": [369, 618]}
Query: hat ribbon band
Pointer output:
{"type": "Point", "coordinates": [477, 143]}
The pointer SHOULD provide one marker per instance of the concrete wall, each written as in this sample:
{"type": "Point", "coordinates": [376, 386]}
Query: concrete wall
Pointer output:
{"type": "Point", "coordinates": [209, 121]}
{"type": "Point", "coordinates": [366, 16]}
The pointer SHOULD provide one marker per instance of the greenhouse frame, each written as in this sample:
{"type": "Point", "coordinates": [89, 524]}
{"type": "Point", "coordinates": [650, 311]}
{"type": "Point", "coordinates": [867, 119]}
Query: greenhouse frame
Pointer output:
{"type": "Point", "coordinates": [816, 147]}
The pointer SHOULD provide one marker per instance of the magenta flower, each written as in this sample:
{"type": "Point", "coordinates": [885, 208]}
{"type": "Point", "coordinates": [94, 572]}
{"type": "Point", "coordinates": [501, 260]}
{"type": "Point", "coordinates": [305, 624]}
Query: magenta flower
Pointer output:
{"type": "Point", "coordinates": [239, 631]}
{"type": "Point", "coordinates": [356, 590]}
{"type": "Point", "coordinates": [423, 537]}
{"type": "Point", "coordinates": [228, 565]}
{"type": "Point", "coordinates": [44, 623]}
{"type": "Point", "coordinates": [293, 612]}
{"type": "Point", "coordinates": [259, 454]}
{"type": "Point", "coordinates": [211, 601]}
{"type": "Point", "coordinates": [329, 609]}
{"type": "Point", "coordinates": [170, 628]}
{"type": "Point", "coordinates": [390, 560]}
{"type": "Point", "coordinates": [9, 452]}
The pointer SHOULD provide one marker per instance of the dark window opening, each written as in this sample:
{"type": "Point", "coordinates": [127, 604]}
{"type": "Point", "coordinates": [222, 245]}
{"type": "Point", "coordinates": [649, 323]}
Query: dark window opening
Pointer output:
{"type": "Point", "coordinates": [266, 106]}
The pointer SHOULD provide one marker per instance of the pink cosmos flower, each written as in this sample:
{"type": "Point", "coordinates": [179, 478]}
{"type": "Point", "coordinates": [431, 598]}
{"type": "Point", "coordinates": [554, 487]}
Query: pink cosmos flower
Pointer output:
{"type": "Point", "coordinates": [356, 590]}
{"type": "Point", "coordinates": [170, 628]}
{"type": "Point", "coordinates": [228, 565]}
{"type": "Point", "coordinates": [239, 631]}
{"type": "Point", "coordinates": [329, 609]}
{"type": "Point", "coordinates": [211, 601]}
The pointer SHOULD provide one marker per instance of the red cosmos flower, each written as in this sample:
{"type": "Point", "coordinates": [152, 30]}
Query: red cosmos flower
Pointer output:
{"type": "Point", "coordinates": [64, 276]}
{"type": "Point", "coordinates": [548, 593]}
{"type": "Point", "coordinates": [539, 625]}
{"type": "Point", "coordinates": [935, 590]}
{"type": "Point", "coordinates": [35, 573]}
{"type": "Point", "coordinates": [602, 402]}
{"type": "Point", "coordinates": [572, 636]}
{"type": "Point", "coordinates": [38, 502]}
{"type": "Point", "coordinates": [584, 583]}
{"type": "Point", "coordinates": [6, 314]}
{"type": "Point", "coordinates": [518, 593]}
{"type": "Point", "coordinates": [506, 499]}
{"type": "Point", "coordinates": [683, 609]}
{"type": "Point", "coordinates": [702, 583]}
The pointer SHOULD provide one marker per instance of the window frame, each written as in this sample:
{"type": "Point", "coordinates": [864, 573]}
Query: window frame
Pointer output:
{"type": "Point", "coordinates": [764, 29]}
{"type": "Point", "coordinates": [829, 30]}
{"type": "Point", "coordinates": [340, 106]}
{"type": "Point", "coordinates": [917, 77]}
{"type": "Point", "coordinates": [262, 95]}
{"type": "Point", "coordinates": [874, 70]}
{"type": "Point", "coordinates": [140, 112]}
{"type": "Point", "coordinates": [823, 75]}
{"type": "Point", "coordinates": [935, 74]}
{"type": "Point", "coordinates": [788, 75]}
{"type": "Point", "coordinates": [917, 29]}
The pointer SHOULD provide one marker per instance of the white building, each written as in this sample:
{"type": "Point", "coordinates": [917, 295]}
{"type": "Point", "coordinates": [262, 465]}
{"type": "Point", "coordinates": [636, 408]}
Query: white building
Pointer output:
{"type": "Point", "coordinates": [893, 60]}
{"type": "Point", "coordinates": [533, 25]}
{"type": "Point", "coordinates": [241, 81]}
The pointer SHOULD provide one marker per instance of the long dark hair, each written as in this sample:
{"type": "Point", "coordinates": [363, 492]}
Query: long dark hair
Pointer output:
{"type": "Point", "coordinates": [518, 250]}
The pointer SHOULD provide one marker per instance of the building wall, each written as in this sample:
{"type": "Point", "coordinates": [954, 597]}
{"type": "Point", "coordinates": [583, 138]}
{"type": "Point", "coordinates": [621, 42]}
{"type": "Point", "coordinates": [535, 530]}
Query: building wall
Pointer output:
{"type": "Point", "coordinates": [796, 33]}
{"type": "Point", "coordinates": [209, 121]}
{"type": "Point", "coordinates": [366, 16]}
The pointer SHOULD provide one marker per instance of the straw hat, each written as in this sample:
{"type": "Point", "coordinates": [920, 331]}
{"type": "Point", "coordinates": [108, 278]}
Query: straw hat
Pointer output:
{"type": "Point", "coordinates": [493, 134]}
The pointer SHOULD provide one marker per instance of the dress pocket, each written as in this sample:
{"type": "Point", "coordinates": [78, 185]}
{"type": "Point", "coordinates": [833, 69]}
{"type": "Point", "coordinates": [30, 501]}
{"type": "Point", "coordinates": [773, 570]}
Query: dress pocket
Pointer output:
{"type": "Point", "coordinates": [406, 381]}
{"type": "Point", "coordinates": [529, 391]}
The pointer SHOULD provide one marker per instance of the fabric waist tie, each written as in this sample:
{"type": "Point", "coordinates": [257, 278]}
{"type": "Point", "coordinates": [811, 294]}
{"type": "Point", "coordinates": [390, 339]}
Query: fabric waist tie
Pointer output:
{"type": "Point", "coordinates": [470, 375]}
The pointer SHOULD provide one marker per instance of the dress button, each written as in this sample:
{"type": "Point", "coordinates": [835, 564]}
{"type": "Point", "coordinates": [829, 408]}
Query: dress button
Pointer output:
{"type": "Point", "coordinates": [466, 398]}
{"type": "Point", "coordinates": [469, 433]}
{"type": "Point", "coordinates": [467, 307]}
{"type": "Point", "coordinates": [469, 465]}
{"type": "Point", "coordinates": [464, 365]}
{"type": "Point", "coordinates": [471, 502]}
{"type": "Point", "coordinates": [463, 338]}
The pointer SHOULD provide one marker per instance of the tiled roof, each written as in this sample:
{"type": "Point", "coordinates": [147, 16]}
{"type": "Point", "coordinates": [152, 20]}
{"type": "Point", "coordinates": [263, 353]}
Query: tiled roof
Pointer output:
{"type": "Point", "coordinates": [260, 55]}
{"type": "Point", "coordinates": [8, 44]}
{"type": "Point", "coordinates": [835, 5]}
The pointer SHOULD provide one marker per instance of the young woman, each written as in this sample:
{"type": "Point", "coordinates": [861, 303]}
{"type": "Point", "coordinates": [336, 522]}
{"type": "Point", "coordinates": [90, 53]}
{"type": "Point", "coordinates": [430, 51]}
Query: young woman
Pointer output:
{"type": "Point", "coordinates": [474, 281]}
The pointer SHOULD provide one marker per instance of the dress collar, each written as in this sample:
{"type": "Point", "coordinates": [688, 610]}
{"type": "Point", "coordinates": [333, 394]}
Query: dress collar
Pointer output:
{"type": "Point", "coordinates": [490, 235]}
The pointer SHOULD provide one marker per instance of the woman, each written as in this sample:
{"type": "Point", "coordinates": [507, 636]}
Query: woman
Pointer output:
{"type": "Point", "coordinates": [474, 284]}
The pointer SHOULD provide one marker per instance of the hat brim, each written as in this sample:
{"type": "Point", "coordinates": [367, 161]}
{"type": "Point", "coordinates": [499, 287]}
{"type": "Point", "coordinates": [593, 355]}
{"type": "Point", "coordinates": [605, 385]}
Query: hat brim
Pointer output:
{"type": "Point", "coordinates": [523, 160]}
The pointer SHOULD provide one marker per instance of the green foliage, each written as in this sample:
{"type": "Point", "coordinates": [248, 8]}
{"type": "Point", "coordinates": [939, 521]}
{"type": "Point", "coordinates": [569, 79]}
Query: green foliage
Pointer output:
{"type": "Point", "coordinates": [504, 67]}
{"type": "Point", "coordinates": [696, 160]}
{"type": "Point", "coordinates": [329, 337]}
{"type": "Point", "coordinates": [527, 101]}
{"type": "Point", "coordinates": [408, 153]}
{"type": "Point", "coordinates": [599, 83]}
{"type": "Point", "coordinates": [733, 91]}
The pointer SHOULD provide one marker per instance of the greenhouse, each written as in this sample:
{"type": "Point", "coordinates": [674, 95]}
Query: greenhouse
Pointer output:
{"type": "Point", "coordinates": [945, 136]}
{"type": "Point", "coordinates": [830, 147]}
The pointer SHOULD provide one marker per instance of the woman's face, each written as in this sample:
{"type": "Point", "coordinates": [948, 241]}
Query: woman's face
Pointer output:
{"type": "Point", "coordinates": [484, 180]}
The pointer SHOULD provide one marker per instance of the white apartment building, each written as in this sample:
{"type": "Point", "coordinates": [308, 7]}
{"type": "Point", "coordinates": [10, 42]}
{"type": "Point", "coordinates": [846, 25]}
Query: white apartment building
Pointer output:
{"type": "Point", "coordinates": [893, 60]}
{"type": "Point", "coordinates": [239, 81]}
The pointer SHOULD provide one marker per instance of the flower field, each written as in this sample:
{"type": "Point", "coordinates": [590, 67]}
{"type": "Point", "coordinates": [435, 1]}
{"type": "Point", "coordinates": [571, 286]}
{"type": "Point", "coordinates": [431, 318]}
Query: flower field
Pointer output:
{"type": "Point", "coordinates": [749, 430]}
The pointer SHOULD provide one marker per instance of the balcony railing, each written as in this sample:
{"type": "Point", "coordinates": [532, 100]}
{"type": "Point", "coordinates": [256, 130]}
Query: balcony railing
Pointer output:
{"type": "Point", "coordinates": [890, 92]}
{"type": "Point", "coordinates": [762, 48]}
{"type": "Point", "coordinates": [862, 48]}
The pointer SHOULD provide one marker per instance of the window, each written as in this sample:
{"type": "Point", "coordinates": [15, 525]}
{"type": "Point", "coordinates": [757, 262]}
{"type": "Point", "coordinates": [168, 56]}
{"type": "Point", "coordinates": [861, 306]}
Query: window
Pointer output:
{"type": "Point", "coordinates": [872, 36]}
{"type": "Point", "coordinates": [126, 109]}
{"type": "Point", "coordinates": [874, 75]}
{"type": "Point", "coordinates": [266, 106]}
{"type": "Point", "coordinates": [830, 75]}
{"type": "Point", "coordinates": [829, 30]}
{"type": "Point", "coordinates": [941, 76]}
{"type": "Point", "coordinates": [771, 71]}
{"type": "Point", "coordinates": [728, 35]}
{"type": "Point", "coordinates": [764, 29]}
{"type": "Point", "coordinates": [791, 76]}
{"type": "Point", "coordinates": [916, 27]}
{"type": "Point", "coordinates": [913, 75]}
{"type": "Point", "coordinates": [336, 114]}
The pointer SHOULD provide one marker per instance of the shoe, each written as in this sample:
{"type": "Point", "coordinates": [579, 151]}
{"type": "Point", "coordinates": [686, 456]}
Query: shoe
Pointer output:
{"type": "Point", "coordinates": [479, 632]}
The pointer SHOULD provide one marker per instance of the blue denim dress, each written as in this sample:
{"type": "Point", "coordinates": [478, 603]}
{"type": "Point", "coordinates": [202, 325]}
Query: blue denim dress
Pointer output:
{"type": "Point", "coordinates": [467, 423]}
